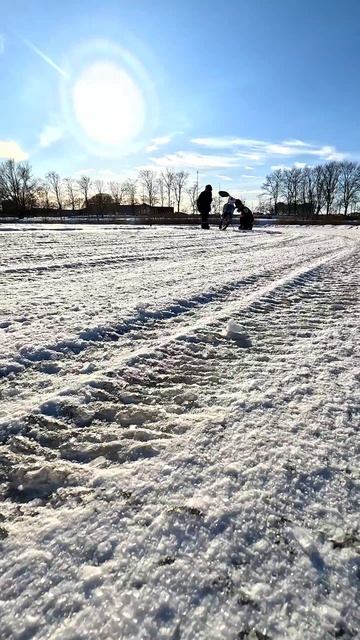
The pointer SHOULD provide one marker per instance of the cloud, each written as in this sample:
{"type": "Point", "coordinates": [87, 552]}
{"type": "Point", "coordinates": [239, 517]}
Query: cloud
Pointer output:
{"type": "Point", "coordinates": [247, 168]}
{"type": "Point", "coordinates": [249, 175]}
{"type": "Point", "coordinates": [222, 142]}
{"type": "Point", "coordinates": [2, 43]}
{"type": "Point", "coordinates": [162, 139]}
{"type": "Point", "coordinates": [11, 149]}
{"type": "Point", "coordinates": [297, 165]}
{"type": "Point", "coordinates": [222, 177]}
{"type": "Point", "coordinates": [49, 135]}
{"type": "Point", "coordinates": [185, 159]}
{"type": "Point", "coordinates": [158, 142]}
{"type": "Point", "coordinates": [295, 143]}
{"type": "Point", "coordinates": [262, 149]}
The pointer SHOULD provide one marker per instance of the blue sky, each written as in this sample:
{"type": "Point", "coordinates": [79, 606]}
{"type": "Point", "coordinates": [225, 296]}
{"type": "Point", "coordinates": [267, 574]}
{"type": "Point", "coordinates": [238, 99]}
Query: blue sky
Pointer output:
{"type": "Point", "coordinates": [227, 88]}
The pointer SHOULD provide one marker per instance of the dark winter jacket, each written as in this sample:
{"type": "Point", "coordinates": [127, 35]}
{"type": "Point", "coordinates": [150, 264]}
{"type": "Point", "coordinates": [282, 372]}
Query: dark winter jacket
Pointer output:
{"type": "Point", "coordinates": [204, 201]}
{"type": "Point", "coordinates": [247, 215]}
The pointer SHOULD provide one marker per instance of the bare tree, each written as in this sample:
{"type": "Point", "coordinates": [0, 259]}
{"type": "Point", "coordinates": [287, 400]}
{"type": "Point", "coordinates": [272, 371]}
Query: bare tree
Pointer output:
{"type": "Point", "coordinates": [291, 188]}
{"type": "Point", "coordinates": [296, 180]}
{"type": "Point", "coordinates": [180, 180]}
{"type": "Point", "coordinates": [71, 192]}
{"type": "Point", "coordinates": [216, 205]}
{"type": "Point", "coordinates": [84, 184]}
{"type": "Point", "coordinates": [192, 193]}
{"type": "Point", "coordinates": [43, 194]}
{"type": "Point", "coordinates": [264, 205]}
{"type": "Point", "coordinates": [99, 186]}
{"type": "Point", "coordinates": [17, 184]}
{"type": "Point", "coordinates": [330, 186]}
{"type": "Point", "coordinates": [130, 189]}
{"type": "Point", "coordinates": [54, 181]}
{"type": "Point", "coordinates": [99, 197]}
{"type": "Point", "coordinates": [273, 186]}
{"type": "Point", "coordinates": [319, 192]}
{"type": "Point", "coordinates": [118, 191]}
{"type": "Point", "coordinates": [168, 177]}
{"type": "Point", "coordinates": [307, 185]}
{"type": "Point", "coordinates": [148, 180]}
{"type": "Point", "coordinates": [27, 184]}
{"type": "Point", "coordinates": [331, 176]}
{"type": "Point", "coordinates": [161, 189]}
{"type": "Point", "coordinates": [349, 184]}
{"type": "Point", "coordinates": [9, 182]}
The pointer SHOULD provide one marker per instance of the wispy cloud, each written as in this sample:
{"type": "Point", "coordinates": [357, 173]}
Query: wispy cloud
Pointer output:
{"type": "Point", "coordinates": [44, 56]}
{"type": "Point", "coordinates": [163, 139]}
{"type": "Point", "coordinates": [159, 142]}
{"type": "Point", "coordinates": [187, 159]}
{"type": "Point", "coordinates": [293, 142]}
{"type": "Point", "coordinates": [151, 147]}
{"type": "Point", "coordinates": [262, 149]}
{"type": "Point", "coordinates": [2, 43]}
{"type": "Point", "coordinates": [11, 149]}
{"type": "Point", "coordinates": [297, 165]}
{"type": "Point", "coordinates": [222, 177]}
{"type": "Point", "coordinates": [223, 142]}
{"type": "Point", "coordinates": [50, 134]}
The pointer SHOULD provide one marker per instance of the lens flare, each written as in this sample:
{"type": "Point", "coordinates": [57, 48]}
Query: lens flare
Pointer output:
{"type": "Point", "coordinates": [107, 104]}
{"type": "Point", "coordinates": [109, 101]}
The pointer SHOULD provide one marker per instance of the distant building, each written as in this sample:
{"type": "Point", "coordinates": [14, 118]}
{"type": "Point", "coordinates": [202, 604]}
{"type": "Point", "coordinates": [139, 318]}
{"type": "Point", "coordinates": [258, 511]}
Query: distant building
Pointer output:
{"type": "Point", "coordinates": [130, 209]}
{"type": "Point", "coordinates": [9, 208]}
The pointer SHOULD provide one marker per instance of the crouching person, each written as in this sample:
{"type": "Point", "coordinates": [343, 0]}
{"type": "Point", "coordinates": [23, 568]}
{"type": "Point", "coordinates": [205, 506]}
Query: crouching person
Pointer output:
{"type": "Point", "coordinates": [246, 216]}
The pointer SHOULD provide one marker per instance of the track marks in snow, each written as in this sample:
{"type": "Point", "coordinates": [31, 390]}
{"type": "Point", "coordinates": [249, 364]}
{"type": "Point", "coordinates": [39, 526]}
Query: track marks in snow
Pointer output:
{"type": "Point", "coordinates": [143, 401]}
{"type": "Point", "coordinates": [52, 366]}
{"type": "Point", "coordinates": [208, 483]}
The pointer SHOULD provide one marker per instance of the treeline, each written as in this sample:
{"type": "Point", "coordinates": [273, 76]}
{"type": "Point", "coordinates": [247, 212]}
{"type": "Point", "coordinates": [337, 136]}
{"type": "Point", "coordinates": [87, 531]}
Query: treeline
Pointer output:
{"type": "Point", "coordinates": [333, 187]}
{"type": "Point", "coordinates": [23, 191]}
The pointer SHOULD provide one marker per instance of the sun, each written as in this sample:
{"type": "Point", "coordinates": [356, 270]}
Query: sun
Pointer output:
{"type": "Point", "coordinates": [108, 105]}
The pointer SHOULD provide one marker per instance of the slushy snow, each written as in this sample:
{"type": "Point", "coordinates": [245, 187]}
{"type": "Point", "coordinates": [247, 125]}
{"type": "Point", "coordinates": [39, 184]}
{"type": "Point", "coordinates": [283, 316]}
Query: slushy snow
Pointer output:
{"type": "Point", "coordinates": [179, 425]}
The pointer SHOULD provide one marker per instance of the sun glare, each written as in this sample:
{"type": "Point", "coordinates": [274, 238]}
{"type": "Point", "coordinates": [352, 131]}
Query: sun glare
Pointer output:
{"type": "Point", "coordinates": [107, 104]}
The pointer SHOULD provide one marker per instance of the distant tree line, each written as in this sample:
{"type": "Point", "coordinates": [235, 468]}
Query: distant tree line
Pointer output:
{"type": "Point", "coordinates": [333, 187]}
{"type": "Point", "coordinates": [24, 191]}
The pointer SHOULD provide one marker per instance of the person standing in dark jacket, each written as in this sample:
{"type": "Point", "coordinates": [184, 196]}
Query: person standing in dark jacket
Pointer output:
{"type": "Point", "coordinates": [204, 206]}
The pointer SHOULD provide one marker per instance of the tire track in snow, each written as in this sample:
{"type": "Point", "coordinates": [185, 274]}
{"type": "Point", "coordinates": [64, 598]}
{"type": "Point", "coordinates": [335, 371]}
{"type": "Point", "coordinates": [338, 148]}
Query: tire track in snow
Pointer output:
{"type": "Point", "coordinates": [47, 358]}
{"type": "Point", "coordinates": [259, 486]}
{"type": "Point", "coordinates": [154, 397]}
{"type": "Point", "coordinates": [129, 355]}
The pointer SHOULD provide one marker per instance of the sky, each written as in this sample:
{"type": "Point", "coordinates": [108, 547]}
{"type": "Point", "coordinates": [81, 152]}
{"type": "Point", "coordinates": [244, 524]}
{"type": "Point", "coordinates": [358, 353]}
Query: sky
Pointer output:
{"type": "Point", "coordinates": [230, 89]}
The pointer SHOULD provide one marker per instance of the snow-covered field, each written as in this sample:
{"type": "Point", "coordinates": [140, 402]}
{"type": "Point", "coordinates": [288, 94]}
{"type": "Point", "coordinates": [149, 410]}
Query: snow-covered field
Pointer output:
{"type": "Point", "coordinates": [179, 427]}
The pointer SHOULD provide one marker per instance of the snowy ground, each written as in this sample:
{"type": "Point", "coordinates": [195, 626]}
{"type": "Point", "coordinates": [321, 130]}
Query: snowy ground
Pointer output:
{"type": "Point", "coordinates": [179, 418]}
